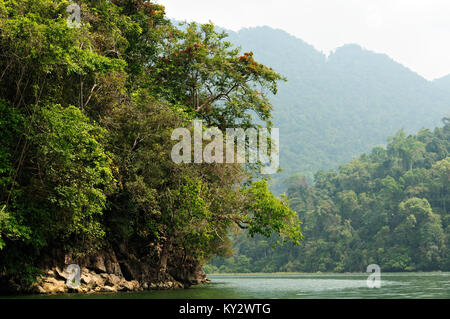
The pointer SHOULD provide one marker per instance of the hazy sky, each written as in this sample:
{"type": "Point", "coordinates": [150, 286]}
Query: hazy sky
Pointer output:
{"type": "Point", "coordinates": [415, 33]}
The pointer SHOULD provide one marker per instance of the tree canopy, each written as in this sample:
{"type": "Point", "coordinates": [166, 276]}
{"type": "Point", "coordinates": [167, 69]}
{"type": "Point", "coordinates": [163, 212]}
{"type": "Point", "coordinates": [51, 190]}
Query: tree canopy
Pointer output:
{"type": "Point", "coordinates": [86, 121]}
{"type": "Point", "coordinates": [389, 207]}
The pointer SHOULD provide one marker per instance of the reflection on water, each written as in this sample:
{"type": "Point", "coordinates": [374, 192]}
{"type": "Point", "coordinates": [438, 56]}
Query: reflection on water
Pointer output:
{"type": "Point", "coordinates": [301, 286]}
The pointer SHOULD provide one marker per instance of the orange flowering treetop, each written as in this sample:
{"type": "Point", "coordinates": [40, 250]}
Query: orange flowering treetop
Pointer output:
{"type": "Point", "coordinates": [200, 71]}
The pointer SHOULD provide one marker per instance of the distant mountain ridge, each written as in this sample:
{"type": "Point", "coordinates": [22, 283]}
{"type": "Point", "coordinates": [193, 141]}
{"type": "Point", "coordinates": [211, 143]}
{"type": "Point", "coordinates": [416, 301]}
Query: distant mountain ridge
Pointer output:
{"type": "Point", "coordinates": [335, 108]}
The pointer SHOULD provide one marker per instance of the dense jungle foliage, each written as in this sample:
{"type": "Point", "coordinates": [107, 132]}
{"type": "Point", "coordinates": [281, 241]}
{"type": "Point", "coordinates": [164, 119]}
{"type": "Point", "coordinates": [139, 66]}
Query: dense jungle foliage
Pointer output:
{"type": "Point", "coordinates": [389, 207]}
{"type": "Point", "coordinates": [87, 112]}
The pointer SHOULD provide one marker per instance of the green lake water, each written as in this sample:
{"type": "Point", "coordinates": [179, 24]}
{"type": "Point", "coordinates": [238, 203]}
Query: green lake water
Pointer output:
{"type": "Point", "coordinates": [302, 286]}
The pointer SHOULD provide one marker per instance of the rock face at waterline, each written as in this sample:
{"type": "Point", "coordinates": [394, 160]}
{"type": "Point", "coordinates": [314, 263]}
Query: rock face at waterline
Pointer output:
{"type": "Point", "coordinates": [55, 282]}
{"type": "Point", "coordinates": [109, 271]}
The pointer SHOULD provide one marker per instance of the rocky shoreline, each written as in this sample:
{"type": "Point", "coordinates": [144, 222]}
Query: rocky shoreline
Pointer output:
{"type": "Point", "coordinates": [111, 271]}
{"type": "Point", "coordinates": [55, 282]}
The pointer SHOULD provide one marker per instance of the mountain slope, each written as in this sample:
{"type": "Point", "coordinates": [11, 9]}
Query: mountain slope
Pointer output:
{"type": "Point", "coordinates": [443, 83]}
{"type": "Point", "coordinates": [333, 109]}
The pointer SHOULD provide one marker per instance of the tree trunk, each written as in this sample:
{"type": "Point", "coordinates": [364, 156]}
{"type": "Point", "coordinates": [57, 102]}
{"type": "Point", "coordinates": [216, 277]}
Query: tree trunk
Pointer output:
{"type": "Point", "coordinates": [163, 258]}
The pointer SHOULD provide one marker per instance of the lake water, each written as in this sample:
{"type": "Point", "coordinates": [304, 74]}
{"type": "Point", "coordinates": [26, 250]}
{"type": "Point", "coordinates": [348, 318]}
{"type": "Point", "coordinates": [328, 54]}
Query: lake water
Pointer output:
{"type": "Point", "coordinates": [304, 286]}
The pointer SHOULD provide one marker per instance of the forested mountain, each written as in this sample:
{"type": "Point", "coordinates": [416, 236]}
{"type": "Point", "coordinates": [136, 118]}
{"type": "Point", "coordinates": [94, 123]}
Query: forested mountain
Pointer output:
{"type": "Point", "coordinates": [87, 115]}
{"type": "Point", "coordinates": [331, 110]}
{"type": "Point", "coordinates": [334, 108]}
{"type": "Point", "coordinates": [389, 207]}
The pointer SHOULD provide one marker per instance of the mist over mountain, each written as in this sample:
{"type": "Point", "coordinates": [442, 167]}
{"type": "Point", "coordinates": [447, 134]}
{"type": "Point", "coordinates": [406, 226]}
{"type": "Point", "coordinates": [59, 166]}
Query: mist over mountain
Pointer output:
{"type": "Point", "coordinates": [443, 83]}
{"type": "Point", "coordinates": [335, 108]}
